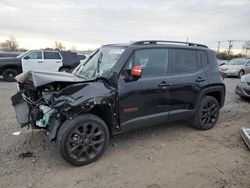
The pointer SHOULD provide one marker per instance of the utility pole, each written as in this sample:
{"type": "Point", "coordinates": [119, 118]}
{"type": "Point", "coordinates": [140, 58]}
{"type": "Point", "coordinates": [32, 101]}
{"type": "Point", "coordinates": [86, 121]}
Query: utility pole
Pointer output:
{"type": "Point", "coordinates": [247, 51]}
{"type": "Point", "coordinates": [218, 51]}
{"type": "Point", "coordinates": [230, 45]}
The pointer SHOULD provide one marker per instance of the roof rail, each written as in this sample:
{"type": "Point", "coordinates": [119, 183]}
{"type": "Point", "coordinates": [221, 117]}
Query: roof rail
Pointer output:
{"type": "Point", "coordinates": [166, 41]}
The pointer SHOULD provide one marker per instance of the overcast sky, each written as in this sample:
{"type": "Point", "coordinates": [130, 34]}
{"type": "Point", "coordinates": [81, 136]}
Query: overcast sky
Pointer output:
{"type": "Point", "coordinates": [90, 23]}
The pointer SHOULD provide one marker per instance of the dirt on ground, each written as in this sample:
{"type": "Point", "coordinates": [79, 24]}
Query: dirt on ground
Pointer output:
{"type": "Point", "coordinates": [171, 155]}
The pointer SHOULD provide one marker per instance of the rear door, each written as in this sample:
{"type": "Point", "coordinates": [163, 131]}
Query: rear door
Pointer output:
{"type": "Point", "coordinates": [32, 61]}
{"type": "Point", "coordinates": [187, 80]}
{"type": "Point", "coordinates": [52, 61]}
{"type": "Point", "coordinates": [145, 101]}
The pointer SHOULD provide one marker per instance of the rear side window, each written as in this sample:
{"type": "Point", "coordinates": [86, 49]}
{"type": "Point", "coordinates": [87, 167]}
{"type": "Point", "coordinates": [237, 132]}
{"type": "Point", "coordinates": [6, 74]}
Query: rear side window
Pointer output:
{"type": "Point", "coordinates": [154, 62]}
{"type": "Point", "coordinates": [51, 55]}
{"type": "Point", "coordinates": [184, 61]}
{"type": "Point", "coordinates": [203, 58]}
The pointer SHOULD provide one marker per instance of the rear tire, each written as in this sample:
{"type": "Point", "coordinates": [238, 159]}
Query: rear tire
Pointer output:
{"type": "Point", "coordinates": [241, 73]}
{"type": "Point", "coordinates": [207, 113]}
{"type": "Point", "coordinates": [83, 139]}
{"type": "Point", "coordinates": [9, 75]}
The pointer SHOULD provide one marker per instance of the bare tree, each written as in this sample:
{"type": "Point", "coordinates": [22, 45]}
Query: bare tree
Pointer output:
{"type": "Point", "coordinates": [73, 48]}
{"type": "Point", "coordinates": [59, 46]}
{"type": "Point", "coordinates": [246, 46]}
{"type": "Point", "coordinates": [10, 44]}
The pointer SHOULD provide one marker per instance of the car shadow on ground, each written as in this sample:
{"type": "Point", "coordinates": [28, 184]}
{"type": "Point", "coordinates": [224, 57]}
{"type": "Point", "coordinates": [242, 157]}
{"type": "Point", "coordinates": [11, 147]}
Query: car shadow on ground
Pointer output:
{"type": "Point", "coordinates": [34, 145]}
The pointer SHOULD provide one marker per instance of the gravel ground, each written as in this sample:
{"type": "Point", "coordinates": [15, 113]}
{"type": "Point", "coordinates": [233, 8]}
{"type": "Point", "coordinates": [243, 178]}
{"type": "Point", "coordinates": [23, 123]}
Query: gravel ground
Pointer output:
{"type": "Point", "coordinates": [173, 155]}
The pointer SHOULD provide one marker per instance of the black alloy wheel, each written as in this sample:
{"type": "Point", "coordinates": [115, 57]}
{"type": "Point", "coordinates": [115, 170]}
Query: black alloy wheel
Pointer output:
{"type": "Point", "coordinates": [207, 113]}
{"type": "Point", "coordinates": [83, 140]}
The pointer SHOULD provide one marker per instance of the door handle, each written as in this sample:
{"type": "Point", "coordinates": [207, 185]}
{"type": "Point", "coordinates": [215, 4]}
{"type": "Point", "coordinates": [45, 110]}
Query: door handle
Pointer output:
{"type": "Point", "coordinates": [58, 61]}
{"type": "Point", "coordinates": [40, 62]}
{"type": "Point", "coordinates": [164, 84]}
{"type": "Point", "coordinates": [200, 79]}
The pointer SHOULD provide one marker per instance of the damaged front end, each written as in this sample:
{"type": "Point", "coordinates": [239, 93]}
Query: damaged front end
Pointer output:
{"type": "Point", "coordinates": [45, 100]}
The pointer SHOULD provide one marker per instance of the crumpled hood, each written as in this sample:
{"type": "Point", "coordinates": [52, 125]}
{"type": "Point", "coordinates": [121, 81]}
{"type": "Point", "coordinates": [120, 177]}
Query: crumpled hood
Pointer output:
{"type": "Point", "coordinates": [39, 78]}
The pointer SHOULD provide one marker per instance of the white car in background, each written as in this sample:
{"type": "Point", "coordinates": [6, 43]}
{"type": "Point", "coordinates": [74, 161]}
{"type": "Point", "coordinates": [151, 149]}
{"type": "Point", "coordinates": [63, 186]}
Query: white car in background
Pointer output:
{"type": "Point", "coordinates": [45, 60]}
{"type": "Point", "coordinates": [236, 67]}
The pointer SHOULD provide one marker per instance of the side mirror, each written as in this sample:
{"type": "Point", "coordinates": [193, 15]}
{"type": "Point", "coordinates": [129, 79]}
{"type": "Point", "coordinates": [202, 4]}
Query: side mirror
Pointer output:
{"type": "Point", "coordinates": [26, 57]}
{"type": "Point", "coordinates": [136, 72]}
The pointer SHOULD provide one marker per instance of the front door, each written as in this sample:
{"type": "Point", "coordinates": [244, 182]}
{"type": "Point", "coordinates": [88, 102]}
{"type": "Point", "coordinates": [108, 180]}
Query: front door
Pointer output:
{"type": "Point", "coordinates": [32, 61]}
{"type": "Point", "coordinates": [52, 61]}
{"type": "Point", "coordinates": [145, 101]}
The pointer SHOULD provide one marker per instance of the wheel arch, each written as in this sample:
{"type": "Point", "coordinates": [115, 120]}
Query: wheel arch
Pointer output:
{"type": "Point", "coordinates": [102, 111]}
{"type": "Point", "coordinates": [16, 67]}
{"type": "Point", "coordinates": [218, 92]}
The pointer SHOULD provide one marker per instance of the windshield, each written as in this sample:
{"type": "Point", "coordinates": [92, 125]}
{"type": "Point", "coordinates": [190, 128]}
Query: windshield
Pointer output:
{"type": "Point", "coordinates": [22, 54]}
{"type": "Point", "coordinates": [237, 62]}
{"type": "Point", "coordinates": [100, 62]}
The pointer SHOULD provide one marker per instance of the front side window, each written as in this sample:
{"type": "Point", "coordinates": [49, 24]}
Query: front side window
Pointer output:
{"type": "Point", "coordinates": [154, 62]}
{"type": "Point", "coordinates": [184, 61]}
{"type": "Point", "coordinates": [99, 63]}
{"type": "Point", "coordinates": [34, 55]}
{"type": "Point", "coordinates": [52, 55]}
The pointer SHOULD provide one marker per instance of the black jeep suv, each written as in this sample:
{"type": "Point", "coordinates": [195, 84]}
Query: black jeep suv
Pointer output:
{"type": "Point", "coordinates": [118, 88]}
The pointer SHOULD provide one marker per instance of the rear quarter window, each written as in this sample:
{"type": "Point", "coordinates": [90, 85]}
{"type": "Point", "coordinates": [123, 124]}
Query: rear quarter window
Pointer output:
{"type": "Point", "coordinates": [203, 58]}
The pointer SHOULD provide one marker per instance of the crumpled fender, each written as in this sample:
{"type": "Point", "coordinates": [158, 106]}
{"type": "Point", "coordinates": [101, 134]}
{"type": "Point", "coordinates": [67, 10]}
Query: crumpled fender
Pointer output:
{"type": "Point", "coordinates": [81, 94]}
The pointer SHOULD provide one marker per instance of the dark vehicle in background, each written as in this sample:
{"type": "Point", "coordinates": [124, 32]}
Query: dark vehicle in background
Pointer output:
{"type": "Point", "coordinates": [236, 67]}
{"type": "Point", "coordinates": [82, 57]}
{"type": "Point", "coordinates": [37, 60]}
{"type": "Point", "coordinates": [121, 87]}
{"type": "Point", "coordinates": [243, 87]}
{"type": "Point", "coordinates": [9, 54]}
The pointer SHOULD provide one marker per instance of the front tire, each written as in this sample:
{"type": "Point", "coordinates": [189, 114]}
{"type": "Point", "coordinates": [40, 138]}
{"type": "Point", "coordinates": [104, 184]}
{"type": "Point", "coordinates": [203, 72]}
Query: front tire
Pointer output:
{"type": "Point", "coordinates": [9, 75]}
{"type": "Point", "coordinates": [83, 139]}
{"type": "Point", "coordinates": [207, 113]}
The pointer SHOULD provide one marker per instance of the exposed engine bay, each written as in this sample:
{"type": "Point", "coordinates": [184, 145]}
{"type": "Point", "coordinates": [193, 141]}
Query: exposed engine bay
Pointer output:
{"type": "Point", "coordinates": [43, 103]}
